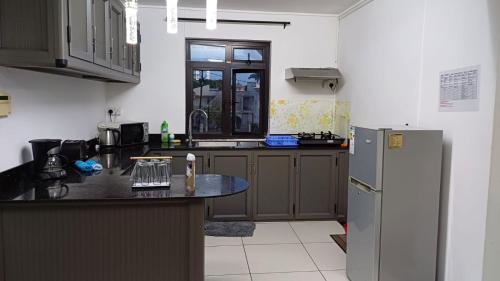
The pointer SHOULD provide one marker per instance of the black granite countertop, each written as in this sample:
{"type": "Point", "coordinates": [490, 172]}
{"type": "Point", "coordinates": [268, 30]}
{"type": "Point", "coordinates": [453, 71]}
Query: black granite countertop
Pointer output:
{"type": "Point", "coordinates": [21, 184]}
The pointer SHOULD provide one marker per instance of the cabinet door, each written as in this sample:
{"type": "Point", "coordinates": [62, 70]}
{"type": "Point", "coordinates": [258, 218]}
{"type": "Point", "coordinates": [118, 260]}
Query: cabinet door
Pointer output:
{"type": "Point", "coordinates": [136, 53]}
{"type": "Point", "coordinates": [128, 58]}
{"type": "Point", "coordinates": [116, 19]}
{"type": "Point", "coordinates": [343, 187]}
{"type": "Point", "coordinates": [80, 29]}
{"type": "Point", "coordinates": [274, 185]}
{"type": "Point", "coordinates": [316, 185]}
{"type": "Point", "coordinates": [27, 32]}
{"type": "Point", "coordinates": [235, 207]}
{"type": "Point", "coordinates": [102, 38]}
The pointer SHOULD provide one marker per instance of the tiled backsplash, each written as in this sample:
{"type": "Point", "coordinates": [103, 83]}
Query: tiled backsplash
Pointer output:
{"type": "Point", "coordinates": [308, 115]}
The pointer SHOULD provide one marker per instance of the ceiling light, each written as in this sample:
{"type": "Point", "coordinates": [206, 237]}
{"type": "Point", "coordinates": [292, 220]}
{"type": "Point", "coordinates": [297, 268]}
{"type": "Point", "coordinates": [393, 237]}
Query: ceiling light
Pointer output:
{"type": "Point", "coordinates": [172, 20]}
{"type": "Point", "coordinates": [131, 21]}
{"type": "Point", "coordinates": [211, 14]}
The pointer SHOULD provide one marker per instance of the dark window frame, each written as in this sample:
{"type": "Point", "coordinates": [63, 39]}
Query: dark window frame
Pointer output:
{"type": "Point", "coordinates": [229, 67]}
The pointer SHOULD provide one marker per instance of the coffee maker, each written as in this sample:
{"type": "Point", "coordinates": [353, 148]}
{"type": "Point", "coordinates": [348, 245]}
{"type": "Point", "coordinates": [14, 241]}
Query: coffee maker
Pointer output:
{"type": "Point", "coordinates": [48, 161]}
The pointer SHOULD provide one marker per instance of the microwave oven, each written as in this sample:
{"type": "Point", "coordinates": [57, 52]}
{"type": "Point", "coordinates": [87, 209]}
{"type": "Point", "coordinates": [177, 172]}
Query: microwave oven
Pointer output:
{"type": "Point", "coordinates": [123, 133]}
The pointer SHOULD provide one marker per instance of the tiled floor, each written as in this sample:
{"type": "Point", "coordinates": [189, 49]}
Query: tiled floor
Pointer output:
{"type": "Point", "coordinates": [278, 251]}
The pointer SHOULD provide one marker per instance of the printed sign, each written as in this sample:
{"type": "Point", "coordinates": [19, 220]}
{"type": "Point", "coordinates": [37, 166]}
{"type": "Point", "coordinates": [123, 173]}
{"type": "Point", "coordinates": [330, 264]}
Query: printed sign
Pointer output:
{"type": "Point", "coordinates": [460, 90]}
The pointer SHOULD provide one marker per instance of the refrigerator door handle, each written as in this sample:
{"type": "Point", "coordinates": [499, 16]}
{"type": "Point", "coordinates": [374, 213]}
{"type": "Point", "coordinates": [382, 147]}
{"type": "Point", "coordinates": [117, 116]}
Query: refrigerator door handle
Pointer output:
{"type": "Point", "coordinates": [361, 186]}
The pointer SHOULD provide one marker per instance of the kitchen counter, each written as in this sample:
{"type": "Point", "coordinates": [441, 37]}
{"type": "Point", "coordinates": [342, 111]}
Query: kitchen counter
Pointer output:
{"type": "Point", "coordinates": [110, 184]}
{"type": "Point", "coordinates": [97, 227]}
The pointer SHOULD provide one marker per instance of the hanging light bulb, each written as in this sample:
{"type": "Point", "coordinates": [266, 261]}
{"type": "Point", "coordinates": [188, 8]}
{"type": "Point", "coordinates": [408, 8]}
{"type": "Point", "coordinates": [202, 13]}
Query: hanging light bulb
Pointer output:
{"type": "Point", "coordinates": [131, 21]}
{"type": "Point", "coordinates": [211, 14]}
{"type": "Point", "coordinates": [172, 16]}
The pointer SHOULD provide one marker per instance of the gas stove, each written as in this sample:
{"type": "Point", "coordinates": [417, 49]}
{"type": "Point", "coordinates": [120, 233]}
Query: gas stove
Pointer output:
{"type": "Point", "coordinates": [323, 138]}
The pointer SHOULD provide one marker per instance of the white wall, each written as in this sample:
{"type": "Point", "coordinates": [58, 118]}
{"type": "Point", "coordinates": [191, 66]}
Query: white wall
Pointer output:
{"type": "Point", "coordinates": [46, 106]}
{"type": "Point", "coordinates": [492, 243]}
{"type": "Point", "coordinates": [405, 44]}
{"type": "Point", "coordinates": [311, 41]}
{"type": "Point", "coordinates": [380, 59]}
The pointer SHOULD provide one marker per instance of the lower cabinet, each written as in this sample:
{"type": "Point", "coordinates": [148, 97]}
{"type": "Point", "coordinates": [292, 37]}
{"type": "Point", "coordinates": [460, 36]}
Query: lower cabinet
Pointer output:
{"type": "Point", "coordinates": [343, 185]}
{"type": "Point", "coordinates": [273, 185]}
{"type": "Point", "coordinates": [235, 207]}
{"type": "Point", "coordinates": [317, 182]}
{"type": "Point", "coordinates": [284, 184]}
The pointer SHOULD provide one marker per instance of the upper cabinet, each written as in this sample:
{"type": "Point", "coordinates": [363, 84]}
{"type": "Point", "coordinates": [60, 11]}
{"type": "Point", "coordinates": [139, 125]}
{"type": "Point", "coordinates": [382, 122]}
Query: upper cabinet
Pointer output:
{"type": "Point", "coordinates": [83, 38]}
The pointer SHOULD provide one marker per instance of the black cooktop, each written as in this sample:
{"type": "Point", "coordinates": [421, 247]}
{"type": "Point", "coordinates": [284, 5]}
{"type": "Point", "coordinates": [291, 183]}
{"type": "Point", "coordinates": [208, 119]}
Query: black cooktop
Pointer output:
{"type": "Point", "coordinates": [322, 138]}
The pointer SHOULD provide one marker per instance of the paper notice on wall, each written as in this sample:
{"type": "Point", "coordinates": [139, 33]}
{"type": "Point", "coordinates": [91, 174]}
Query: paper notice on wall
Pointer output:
{"type": "Point", "coordinates": [460, 90]}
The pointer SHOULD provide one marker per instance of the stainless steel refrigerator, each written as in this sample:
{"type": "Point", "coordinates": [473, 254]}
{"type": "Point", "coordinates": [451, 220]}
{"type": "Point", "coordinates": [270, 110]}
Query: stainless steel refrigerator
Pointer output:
{"type": "Point", "coordinates": [393, 206]}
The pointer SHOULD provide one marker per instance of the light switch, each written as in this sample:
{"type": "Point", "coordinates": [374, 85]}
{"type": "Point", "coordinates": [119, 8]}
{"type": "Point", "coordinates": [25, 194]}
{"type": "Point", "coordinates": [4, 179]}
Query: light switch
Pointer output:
{"type": "Point", "coordinates": [4, 104]}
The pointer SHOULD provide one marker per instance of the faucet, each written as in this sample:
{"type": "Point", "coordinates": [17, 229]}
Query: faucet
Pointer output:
{"type": "Point", "coordinates": [190, 141]}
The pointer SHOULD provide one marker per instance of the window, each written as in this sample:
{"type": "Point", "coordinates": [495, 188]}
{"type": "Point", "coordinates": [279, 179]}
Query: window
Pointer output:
{"type": "Point", "coordinates": [229, 81]}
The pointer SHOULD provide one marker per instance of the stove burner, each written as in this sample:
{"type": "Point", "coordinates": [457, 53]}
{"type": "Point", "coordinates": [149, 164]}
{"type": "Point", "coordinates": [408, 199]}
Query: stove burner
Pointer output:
{"type": "Point", "coordinates": [323, 138]}
{"type": "Point", "coordinates": [327, 136]}
{"type": "Point", "coordinates": [307, 136]}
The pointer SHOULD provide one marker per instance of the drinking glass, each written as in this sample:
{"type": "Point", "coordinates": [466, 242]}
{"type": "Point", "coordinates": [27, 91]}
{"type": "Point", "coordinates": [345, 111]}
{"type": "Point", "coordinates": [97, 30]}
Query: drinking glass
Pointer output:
{"type": "Point", "coordinates": [139, 173]}
{"type": "Point", "coordinates": [155, 172]}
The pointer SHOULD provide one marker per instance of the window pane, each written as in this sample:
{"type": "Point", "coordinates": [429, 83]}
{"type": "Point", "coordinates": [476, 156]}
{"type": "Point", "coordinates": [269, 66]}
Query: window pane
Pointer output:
{"type": "Point", "coordinates": [208, 53]}
{"type": "Point", "coordinates": [248, 54]}
{"type": "Point", "coordinates": [207, 96]}
{"type": "Point", "coordinates": [247, 102]}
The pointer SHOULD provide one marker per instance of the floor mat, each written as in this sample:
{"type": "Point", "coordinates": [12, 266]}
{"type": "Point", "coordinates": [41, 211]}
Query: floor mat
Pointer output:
{"type": "Point", "coordinates": [229, 229]}
{"type": "Point", "coordinates": [341, 240]}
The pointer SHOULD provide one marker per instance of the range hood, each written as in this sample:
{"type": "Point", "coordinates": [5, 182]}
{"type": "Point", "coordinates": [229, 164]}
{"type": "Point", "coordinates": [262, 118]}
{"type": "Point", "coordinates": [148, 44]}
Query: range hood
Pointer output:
{"type": "Point", "coordinates": [321, 74]}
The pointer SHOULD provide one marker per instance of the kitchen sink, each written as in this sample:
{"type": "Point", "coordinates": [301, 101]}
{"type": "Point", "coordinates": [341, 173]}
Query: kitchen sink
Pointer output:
{"type": "Point", "coordinates": [228, 143]}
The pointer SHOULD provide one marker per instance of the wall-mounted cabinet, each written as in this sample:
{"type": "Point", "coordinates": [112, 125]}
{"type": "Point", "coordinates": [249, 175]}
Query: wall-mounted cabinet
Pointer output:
{"type": "Point", "coordinates": [83, 38]}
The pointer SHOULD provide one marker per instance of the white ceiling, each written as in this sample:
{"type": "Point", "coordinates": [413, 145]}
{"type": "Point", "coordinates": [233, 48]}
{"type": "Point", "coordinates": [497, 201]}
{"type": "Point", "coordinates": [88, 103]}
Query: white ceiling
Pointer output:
{"type": "Point", "coordinates": [291, 6]}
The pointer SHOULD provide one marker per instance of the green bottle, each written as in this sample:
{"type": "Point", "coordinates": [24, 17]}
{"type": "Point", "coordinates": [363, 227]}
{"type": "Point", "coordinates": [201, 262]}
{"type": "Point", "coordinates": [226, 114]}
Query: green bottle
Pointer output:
{"type": "Point", "coordinates": [164, 132]}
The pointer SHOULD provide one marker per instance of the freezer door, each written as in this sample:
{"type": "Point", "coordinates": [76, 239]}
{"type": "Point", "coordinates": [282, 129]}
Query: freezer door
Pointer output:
{"type": "Point", "coordinates": [365, 162]}
{"type": "Point", "coordinates": [363, 232]}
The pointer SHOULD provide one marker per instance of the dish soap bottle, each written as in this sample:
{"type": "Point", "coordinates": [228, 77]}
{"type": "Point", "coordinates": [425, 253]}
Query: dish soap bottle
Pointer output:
{"type": "Point", "coordinates": [164, 132]}
{"type": "Point", "coordinates": [191, 172]}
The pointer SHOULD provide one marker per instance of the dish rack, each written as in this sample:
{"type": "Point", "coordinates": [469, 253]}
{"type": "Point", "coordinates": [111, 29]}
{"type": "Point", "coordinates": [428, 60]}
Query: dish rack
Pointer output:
{"type": "Point", "coordinates": [282, 141]}
{"type": "Point", "coordinates": [151, 172]}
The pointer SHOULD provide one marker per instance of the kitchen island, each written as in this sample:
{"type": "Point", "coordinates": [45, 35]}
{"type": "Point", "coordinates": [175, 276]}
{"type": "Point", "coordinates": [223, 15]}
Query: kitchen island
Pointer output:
{"type": "Point", "coordinates": [98, 228]}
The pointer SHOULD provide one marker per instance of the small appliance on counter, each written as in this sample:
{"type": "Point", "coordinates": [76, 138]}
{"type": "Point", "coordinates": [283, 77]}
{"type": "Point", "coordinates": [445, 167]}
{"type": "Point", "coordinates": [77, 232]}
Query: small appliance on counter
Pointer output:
{"type": "Point", "coordinates": [74, 150]}
{"type": "Point", "coordinates": [321, 139]}
{"type": "Point", "coordinates": [40, 147]}
{"type": "Point", "coordinates": [124, 133]}
{"type": "Point", "coordinates": [48, 161]}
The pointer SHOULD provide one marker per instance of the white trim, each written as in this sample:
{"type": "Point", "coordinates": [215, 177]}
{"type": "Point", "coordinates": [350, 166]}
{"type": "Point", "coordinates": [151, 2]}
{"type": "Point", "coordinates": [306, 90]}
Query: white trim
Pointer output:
{"type": "Point", "coordinates": [354, 8]}
{"type": "Point", "coordinates": [243, 11]}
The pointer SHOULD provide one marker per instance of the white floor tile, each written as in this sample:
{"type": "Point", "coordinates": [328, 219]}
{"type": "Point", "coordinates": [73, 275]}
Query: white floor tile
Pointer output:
{"type": "Point", "coordinates": [245, 277]}
{"type": "Point", "coordinates": [278, 258]}
{"type": "Point", "coordinates": [225, 260]}
{"type": "Point", "coordinates": [272, 233]}
{"type": "Point", "coordinates": [338, 275]}
{"type": "Point", "coordinates": [327, 256]}
{"type": "Point", "coordinates": [316, 231]}
{"type": "Point", "coordinates": [222, 241]}
{"type": "Point", "coordinates": [290, 276]}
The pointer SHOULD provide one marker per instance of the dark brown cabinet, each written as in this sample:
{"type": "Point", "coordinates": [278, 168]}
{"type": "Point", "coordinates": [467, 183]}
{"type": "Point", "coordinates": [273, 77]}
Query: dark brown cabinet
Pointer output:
{"type": "Point", "coordinates": [235, 207]}
{"type": "Point", "coordinates": [343, 177]}
{"type": "Point", "coordinates": [136, 53]}
{"type": "Point", "coordinates": [284, 184]}
{"type": "Point", "coordinates": [117, 22]}
{"type": "Point", "coordinates": [81, 38]}
{"type": "Point", "coordinates": [317, 182]}
{"type": "Point", "coordinates": [80, 30]}
{"type": "Point", "coordinates": [273, 185]}
{"type": "Point", "coordinates": [102, 40]}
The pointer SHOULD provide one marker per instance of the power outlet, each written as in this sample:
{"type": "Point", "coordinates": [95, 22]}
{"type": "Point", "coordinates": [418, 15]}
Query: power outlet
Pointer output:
{"type": "Point", "coordinates": [116, 112]}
